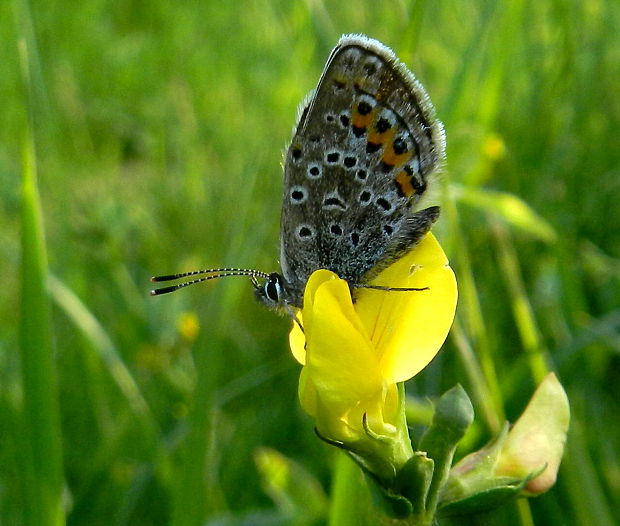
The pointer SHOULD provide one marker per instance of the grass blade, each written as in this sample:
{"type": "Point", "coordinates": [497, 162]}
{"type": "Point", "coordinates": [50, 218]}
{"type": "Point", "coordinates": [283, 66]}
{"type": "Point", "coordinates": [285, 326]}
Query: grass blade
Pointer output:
{"type": "Point", "coordinates": [41, 417]}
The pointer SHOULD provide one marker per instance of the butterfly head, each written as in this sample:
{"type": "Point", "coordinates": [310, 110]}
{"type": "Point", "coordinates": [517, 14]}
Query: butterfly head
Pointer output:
{"type": "Point", "coordinates": [268, 288]}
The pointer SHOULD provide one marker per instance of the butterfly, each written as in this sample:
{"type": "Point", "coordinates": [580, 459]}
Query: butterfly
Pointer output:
{"type": "Point", "coordinates": [364, 151]}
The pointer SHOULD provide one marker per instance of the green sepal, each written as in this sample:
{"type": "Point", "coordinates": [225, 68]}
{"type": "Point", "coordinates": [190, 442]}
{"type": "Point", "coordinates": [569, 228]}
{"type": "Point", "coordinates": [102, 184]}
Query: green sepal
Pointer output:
{"type": "Point", "coordinates": [489, 498]}
{"type": "Point", "coordinates": [414, 480]}
{"type": "Point", "coordinates": [392, 503]}
{"type": "Point", "coordinates": [368, 458]}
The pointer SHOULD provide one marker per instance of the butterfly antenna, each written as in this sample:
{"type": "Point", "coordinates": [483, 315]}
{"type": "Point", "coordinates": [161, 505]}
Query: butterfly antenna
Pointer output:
{"type": "Point", "coordinates": [212, 273]}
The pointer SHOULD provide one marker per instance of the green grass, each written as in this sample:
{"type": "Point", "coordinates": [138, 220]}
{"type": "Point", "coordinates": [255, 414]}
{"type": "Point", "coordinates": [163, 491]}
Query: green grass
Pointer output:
{"type": "Point", "coordinates": [157, 131]}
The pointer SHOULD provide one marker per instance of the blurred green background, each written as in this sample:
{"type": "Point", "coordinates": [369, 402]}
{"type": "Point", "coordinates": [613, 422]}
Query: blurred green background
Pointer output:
{"type": "Point", "coordinates": [158, 130]}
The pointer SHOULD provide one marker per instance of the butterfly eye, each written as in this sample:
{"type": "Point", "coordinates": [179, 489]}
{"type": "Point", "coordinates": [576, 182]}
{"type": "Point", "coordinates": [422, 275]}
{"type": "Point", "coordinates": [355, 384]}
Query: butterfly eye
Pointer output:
{"type": "Point", "coordinates": [273, 287]}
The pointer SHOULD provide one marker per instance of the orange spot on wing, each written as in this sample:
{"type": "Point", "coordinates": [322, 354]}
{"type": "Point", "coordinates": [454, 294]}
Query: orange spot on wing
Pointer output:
{"type": "Point", "coordinates": [361, 121]}
{"type": "Point", "coordinates": [392, 158]}
{"type": "Point", "coordinates": [403, 180]}
{"type": "Point", "coordinates": [381, 138]}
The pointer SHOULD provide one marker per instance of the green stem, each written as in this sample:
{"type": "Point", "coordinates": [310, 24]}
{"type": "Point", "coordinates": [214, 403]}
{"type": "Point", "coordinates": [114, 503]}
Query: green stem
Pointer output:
{"type": "Point", "coordinates": [471, 321]}
{"type": "Point", "coordinates": [349, 494]}
{"type": "Point", "coordinates": [523, 312]}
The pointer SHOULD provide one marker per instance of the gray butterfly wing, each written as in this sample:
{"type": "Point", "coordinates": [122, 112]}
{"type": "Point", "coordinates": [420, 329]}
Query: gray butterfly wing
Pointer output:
{"type": "Point", "coordinates": [362, 155]}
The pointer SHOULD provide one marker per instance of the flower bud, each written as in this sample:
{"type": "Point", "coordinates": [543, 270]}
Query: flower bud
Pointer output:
{"type": "Point", "coordinates": [537, 439]}
{"type": "Point", "coordinates": [521, 461]}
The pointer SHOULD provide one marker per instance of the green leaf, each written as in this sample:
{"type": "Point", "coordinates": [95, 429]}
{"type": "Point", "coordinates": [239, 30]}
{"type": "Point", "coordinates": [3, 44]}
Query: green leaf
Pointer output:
{"type": "Point", "coordinates": [508, 207]}
{"type": "Point", "coordinates": [41, 412]}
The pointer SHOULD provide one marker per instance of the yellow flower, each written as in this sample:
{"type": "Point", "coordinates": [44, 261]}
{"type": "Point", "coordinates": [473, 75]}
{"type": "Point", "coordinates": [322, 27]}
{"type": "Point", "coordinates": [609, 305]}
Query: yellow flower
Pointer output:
{"type": "Point", "coordinates": [355, 354]}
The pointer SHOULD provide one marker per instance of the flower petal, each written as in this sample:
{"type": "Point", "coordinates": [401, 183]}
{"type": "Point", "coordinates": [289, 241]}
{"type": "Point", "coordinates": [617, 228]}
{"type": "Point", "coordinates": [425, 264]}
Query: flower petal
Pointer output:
{"type": "Point", "coordinates": [297, 340]}
{"type": "Point", "coordinates": [342, 372]}
{"type": "Point", "coordinates": [408, 328]}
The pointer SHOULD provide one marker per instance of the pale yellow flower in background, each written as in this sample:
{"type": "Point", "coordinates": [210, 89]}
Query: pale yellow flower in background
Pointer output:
{"type": "Point", "coordinates": [523, 460]}
{"type": "Point", "coordinates": [537, 439]}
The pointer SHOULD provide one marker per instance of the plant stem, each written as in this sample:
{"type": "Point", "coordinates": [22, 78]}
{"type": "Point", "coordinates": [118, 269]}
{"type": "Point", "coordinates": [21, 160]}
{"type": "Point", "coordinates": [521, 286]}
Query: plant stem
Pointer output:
{"type": "Point", "coordinates": [349, 495]}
